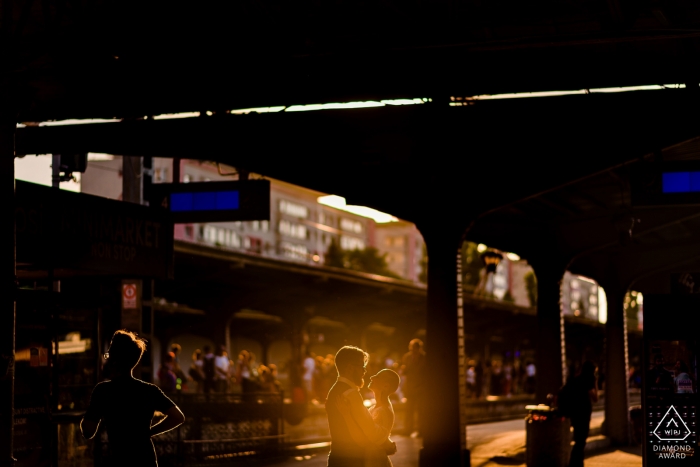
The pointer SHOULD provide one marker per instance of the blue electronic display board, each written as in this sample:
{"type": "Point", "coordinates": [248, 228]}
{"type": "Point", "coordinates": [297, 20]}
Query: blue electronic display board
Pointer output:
{"type": "Point", "coordinates": [214, 201]}
{"type": "Point", "coordinates": [666, 183]}
{"type": "Point", "coordinates": [670, 380]}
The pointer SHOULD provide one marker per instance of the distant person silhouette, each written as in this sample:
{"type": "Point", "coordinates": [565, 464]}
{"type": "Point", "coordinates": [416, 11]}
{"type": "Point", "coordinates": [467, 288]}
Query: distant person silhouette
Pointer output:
{"type": "Point", "coordinates": [127, 405]}
{"type": "Point", "coordinates": [167, 378]}
{"type": "Point", "coordinates": [209, 369]}
{"type": "Point", "coordinates": [682, 380]}
{"type": "Point", "coordinates": [584, 391]}
{"type": "Point", "coordinates": [659, 378]}
{"type": "Point", "coordinates": [414, 388]}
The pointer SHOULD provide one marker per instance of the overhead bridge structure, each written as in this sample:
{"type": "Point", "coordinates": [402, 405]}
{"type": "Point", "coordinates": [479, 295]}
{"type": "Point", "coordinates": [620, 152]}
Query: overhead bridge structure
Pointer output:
{"type": "Point", "coordinates": [550, 178]}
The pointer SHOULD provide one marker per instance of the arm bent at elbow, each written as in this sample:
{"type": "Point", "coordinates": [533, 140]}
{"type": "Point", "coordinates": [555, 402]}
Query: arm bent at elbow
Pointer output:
{"type": "Point", "coordinates": [173, 419]}
{"type": "Point", "coordinates": [89, 428]}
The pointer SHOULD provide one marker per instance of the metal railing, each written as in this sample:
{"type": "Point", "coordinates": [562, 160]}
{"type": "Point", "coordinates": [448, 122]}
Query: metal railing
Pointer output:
{"type": "Point", "coordinates": [218, 428]}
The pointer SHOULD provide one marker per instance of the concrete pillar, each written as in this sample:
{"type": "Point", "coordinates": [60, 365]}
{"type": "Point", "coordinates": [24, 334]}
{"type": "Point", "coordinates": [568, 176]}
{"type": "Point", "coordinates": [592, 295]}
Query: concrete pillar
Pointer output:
{"type": "Point", "coordinates": [7, 311]}
{"type": "Point", "coordinates": [444, 439]}
{"type": "Point", "coordinates": [550, 357]}
{"type": "Point", "coordinates": [132, 179]}
{"type": "Point", "coordinates": [616, 369]}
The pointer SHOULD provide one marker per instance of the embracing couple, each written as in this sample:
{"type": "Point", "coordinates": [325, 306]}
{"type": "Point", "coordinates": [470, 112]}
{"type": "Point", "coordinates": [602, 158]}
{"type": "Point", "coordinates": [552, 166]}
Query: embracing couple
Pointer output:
{"type": "Point", "coordinates": [360, 437]}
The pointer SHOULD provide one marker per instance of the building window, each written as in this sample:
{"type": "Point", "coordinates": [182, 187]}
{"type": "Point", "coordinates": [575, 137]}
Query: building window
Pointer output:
{"type": "Point", "coordinates": [292, 251]}
{"type": "Point", "coordinates": [293, 209]}
{"type": "Point", "coordinates": [220, 237]}
{"type": "Point", "coordinates": [387, 241]}
{"type": "Point", "coordinates": [398, 241]}
{"type": "Point", "coordinates": [351, 225]}
{"type": "Point", "coordinates": [293, 230]}
{"type": "Point", "coordinates": [252, 244]}
{"type": "Point", "coordinates": [262, 226]}
{"type": "Point", "coordinates": [160, 175]}
{"type": "Point", "coordinates": [351, 243]}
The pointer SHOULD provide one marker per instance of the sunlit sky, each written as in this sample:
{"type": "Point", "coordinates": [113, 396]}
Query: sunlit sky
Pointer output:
{"type": "Point", "coordinates": [338, 202]}
{"type": "Point", "coordinates": [37, 169]}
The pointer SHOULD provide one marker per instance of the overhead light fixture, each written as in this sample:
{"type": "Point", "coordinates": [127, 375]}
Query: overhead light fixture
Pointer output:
{"type": "Point", "coordinates": [491, 258]}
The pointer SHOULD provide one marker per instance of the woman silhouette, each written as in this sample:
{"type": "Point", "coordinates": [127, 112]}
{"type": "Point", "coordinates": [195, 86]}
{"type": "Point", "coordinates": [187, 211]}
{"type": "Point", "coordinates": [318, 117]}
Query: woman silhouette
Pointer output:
{"type": "Point", "coordinates": [127, 405]}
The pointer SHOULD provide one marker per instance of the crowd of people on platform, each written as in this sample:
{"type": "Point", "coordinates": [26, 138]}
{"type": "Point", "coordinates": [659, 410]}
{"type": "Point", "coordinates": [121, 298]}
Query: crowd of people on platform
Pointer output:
{"type": "Point", "coordinates": [215, 372]}
{"type": "Point", "coordinates": [508, 377]}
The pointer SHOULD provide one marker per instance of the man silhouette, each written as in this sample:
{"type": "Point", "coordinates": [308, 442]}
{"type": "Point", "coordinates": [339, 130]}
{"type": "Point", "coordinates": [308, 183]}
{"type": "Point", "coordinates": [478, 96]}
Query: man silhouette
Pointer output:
{"type": "Point", "coordinates": [660, 379]}
{"type": "Point", "coordinates": [127, 405]}
{"type": "Point", "coordinates": [351, 425]}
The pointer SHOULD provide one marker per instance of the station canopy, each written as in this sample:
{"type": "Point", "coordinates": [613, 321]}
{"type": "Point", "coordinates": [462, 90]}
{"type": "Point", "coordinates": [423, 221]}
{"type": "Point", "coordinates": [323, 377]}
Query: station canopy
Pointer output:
{"type": "Point", "coordinates": [531, 175]}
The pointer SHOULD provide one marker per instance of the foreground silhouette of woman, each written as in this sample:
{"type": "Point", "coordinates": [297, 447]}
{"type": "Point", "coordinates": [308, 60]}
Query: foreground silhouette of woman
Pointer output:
{"type": "Point", "coordinates": [127, 405]}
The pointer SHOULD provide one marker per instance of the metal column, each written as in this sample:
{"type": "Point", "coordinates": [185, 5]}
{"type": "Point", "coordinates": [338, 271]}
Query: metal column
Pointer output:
{"type": "Point", "coordinates": [442, 433]}
{"type": "Point", "coordinates": [550, 357]}
{"type": "Point", "coordinates": [617, 370]}
{"type": "Point", "coordinates": [7, 312]}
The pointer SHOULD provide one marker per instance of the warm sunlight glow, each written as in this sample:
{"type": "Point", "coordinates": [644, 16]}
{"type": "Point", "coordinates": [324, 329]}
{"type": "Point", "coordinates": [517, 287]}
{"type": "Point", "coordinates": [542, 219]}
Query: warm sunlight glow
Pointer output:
{"type": "Point", "coordinates": [336, 105]}
{"type": "Point", "coordinates": [338, 202]}
{"type": "Point", "coordinates": [458, 101]}
{"type": "Point", "coordinates": [513, 257]}
{"type": "Point", "coordinates": [602, 306]}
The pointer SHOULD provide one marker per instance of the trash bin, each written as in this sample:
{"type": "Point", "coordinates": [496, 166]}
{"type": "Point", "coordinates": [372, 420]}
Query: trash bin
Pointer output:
{"type": "Point", "coordinates": [636, 424]}
{"type": "Point", "coordinates": [547, 437]}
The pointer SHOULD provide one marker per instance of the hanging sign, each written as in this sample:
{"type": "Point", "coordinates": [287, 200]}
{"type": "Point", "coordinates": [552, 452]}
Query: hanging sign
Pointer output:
{"type": "Point", "coordinates": [131, 305]}
{"type": "Point", "coordinates": [82, 232]}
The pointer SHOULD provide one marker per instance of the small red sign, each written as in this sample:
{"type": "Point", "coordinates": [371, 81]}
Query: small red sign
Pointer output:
{"type": "Point", "coordinates": [129, 296]}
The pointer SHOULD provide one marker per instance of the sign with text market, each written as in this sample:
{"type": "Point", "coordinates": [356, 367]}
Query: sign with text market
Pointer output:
{"type": "Point", "coordinates": [670, 380]}
{"type": "Point", "coordinates": [66, 230]}
{"type": "Point", "coordinates": [243, 200]}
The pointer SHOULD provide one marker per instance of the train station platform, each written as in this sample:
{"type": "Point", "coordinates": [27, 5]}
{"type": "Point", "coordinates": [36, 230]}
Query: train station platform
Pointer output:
{"type": "Point", "coordinates": [491, 444]}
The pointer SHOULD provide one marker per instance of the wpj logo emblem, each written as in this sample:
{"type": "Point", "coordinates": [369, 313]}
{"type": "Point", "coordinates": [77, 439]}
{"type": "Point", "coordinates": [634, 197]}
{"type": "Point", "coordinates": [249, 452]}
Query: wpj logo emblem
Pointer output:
{"type": "Point", "coordinates": [672, 427]}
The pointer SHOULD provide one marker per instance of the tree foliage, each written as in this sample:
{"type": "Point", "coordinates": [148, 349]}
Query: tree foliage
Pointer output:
{"type": "Point", "coordinates": [367, 260]}
{"type": "Point", "coordinates": [334, 257]}
{"type": "Point", "coordinates": [531, 286]}
{"type": "Point", "coordinates": [471, 265]}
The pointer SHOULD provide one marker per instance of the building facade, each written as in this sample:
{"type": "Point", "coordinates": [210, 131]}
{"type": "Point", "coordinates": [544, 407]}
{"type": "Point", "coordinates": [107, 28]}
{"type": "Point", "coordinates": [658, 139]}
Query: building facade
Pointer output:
{"type": "Point", "coordinates": [300, 227]}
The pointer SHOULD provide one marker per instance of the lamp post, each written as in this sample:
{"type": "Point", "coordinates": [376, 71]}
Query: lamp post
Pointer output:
{"type": "Point", "coordinates": [491, 258]}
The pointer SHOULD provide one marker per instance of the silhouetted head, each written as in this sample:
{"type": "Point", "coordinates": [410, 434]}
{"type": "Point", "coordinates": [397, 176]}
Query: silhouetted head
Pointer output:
{"type": "Point", "coordinates": [385, 382]}
{"type": "Point", "coordinates": [206, 349]}
{"type": "Point", "coordinates": [351, 363]}
{"type": "Point", "coordinates": [681, 367]}
{"type": "Point", "coordinates": [125, 350]}
{"type": "Point", "coordinates": [659, 360]}
{"type": "Point", "coordinates": [588, 368]}
{"type": "Point", "coordinates": [415, 346]}
{"type": "Point", "coordinates": [197, 355]}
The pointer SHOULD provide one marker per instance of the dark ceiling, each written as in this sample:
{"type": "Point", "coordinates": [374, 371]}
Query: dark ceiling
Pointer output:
{"type": "Point", "coordinates": [128, 59]}
{"type": "Point", "coordinates": [530, 175]}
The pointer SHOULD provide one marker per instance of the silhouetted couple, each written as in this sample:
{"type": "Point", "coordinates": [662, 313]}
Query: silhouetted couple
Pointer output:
{"type": "Point", "coordinates": [360, 437]}
{"type": "Point", "coordinates": [127, 406]}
